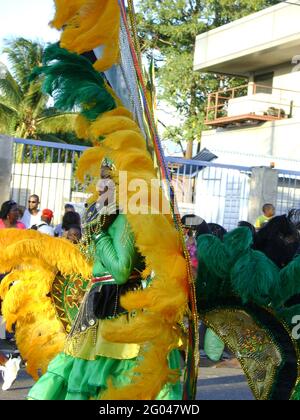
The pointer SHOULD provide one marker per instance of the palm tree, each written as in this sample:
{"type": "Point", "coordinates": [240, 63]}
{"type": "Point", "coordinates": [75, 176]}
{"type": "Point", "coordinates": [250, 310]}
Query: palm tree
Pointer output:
{"type": "Point", "coordinates": [24, 108]}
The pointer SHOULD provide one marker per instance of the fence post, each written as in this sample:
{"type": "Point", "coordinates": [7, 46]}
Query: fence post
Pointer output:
{"type": "Point", "coordinates": [263, 189]}
{"type": "Point", "coordinates": [6, 162]}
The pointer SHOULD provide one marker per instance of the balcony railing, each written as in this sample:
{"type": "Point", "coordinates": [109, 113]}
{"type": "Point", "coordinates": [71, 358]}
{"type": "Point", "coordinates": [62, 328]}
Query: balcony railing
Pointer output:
{"type": "Point", "coordinates": [251, 102]}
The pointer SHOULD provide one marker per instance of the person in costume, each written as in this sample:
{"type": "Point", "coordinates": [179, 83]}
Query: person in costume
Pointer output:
{"type": "Point", "coordinates": [9, 367]}
{"type": "Point", "coordinates": [89, 361]}
{"type": "Point", "coordinates": [147, 323]}
{"type": "Point", "coordinates": [248, 294]}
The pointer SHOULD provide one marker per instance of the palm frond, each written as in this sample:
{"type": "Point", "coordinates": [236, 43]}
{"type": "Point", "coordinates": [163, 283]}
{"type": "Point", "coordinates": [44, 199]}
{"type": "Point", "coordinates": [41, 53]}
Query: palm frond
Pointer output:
{"type": "Point", "coordinates": [51, 138]}
{"type": "Point", "coordinates": [8, 120]}
{"type": "Point", "coordinates": [10, 90]}
{"type": "Point", "coordinates": [23, 56]}
{"type": "Point", "coordinates": [63, 122]}
{"type": "Point", "coordinates": [5, 102]}
{"type": "Point", "coordinates": [35, 99]}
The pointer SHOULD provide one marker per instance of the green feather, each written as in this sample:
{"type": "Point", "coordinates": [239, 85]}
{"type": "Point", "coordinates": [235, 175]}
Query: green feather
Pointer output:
{"type": "Point", "coordinates": [237, 242]}
{"type": "Point", "coordinates": [220, 256]}
{"type": "Point", "coordinates": [255, 278]}
{"type": "Point", "coordinates": [208, 285]}
{"type": "Point", "coordinates": [74, 83]}
{"type": "Point", "coordinates": [296, 393]}
{"type": "Point", "coordinates": [213, 252]}
{"type": "Point", "coordinates": [289, 282]}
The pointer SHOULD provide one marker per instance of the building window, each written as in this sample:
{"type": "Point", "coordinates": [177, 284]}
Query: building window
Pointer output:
{"type": "Point", "coordinates": [264, 82]}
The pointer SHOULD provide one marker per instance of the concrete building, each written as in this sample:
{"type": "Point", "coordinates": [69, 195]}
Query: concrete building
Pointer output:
{"type": "Point", "coordinates": [257, 123]}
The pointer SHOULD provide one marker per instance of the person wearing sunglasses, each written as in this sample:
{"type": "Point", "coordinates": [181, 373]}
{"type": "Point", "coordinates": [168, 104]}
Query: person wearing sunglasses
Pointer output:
{"type": "Point", "coordinates": [9, 216]}
{"type": "Point", "coordinates": [32, 215]}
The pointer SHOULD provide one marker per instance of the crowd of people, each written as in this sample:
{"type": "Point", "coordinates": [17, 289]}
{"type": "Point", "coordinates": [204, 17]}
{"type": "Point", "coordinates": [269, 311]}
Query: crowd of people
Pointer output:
{"type": "Point", "coordinates": [14, 216]}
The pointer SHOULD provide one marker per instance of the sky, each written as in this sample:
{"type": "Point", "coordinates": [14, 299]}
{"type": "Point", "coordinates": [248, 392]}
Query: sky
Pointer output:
{"type": "Point", "coordinates": [26, 18]}
{"type": "Point", "coordinates": [30, 19]}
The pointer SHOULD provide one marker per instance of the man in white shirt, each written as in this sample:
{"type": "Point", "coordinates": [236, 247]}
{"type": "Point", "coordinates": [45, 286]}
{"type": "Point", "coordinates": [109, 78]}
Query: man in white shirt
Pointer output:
{"type": "Point", "coordinates": [32, 215]}
{"type": "Point", "coordinates": [44, 225]}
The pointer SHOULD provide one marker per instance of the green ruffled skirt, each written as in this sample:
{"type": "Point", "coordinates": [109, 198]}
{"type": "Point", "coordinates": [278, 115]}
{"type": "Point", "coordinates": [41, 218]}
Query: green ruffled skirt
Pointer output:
{"type": "Point", "coordinates": [70, 378]}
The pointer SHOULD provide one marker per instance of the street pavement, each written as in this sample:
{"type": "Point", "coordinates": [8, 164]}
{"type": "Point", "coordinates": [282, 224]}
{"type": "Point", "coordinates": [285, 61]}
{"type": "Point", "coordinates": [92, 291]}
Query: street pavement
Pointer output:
{"type": "Point", "coordinates": [221, 384]}
{"type": "Point", "coordinates": [213, 384]}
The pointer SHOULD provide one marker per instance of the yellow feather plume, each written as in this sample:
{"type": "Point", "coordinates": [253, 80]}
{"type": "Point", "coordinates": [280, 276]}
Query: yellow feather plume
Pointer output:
{"type": "Point", "coordinates": [87, 24]}
{"type": "Point", "coordinates": [33, 260]}
{"type": "Point", "coordinates": [82, 126]}
{"type": "Point", "coordinates": [107, 125]}
{"type": "Point", "coordinates": [65, 10]}
{"type": "Point", "coordinates": [161, 306]}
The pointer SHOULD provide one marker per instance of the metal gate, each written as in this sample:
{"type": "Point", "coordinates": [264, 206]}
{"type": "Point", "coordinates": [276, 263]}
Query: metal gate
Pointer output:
{"type": "Point", "coordinates": [47, 170]}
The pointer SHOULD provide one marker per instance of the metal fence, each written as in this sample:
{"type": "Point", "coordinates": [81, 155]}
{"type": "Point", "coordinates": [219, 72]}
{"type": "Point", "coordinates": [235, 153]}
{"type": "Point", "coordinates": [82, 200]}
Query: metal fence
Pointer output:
{"type": "Point", "coordinates": [288, 195]}
{"type": "Point", "coordinates": [48, 170]}
{"type": "Point", "coordinates": [218, 193]}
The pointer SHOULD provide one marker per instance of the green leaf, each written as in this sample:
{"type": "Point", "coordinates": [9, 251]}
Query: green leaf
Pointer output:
{"type": "Point", "coordinates": [167, 30]}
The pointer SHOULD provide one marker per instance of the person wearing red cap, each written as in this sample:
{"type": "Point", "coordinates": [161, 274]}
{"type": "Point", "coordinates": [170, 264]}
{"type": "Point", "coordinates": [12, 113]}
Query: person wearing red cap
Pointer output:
{"type": "Point", "coordinates": [44, 226]}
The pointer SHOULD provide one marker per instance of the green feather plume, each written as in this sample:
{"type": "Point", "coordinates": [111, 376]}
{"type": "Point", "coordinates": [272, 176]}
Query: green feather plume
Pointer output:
{"type": "Point", "coordinates": [289, 283]}
{"type": "Point", "coordinates": [255, 278]}
{"type": "Point", "coordinates": [237, 242]}
{"type": "Point", "coordinates": [213, 252]}
{"type": "Point", "coordinates": [74, 83]}
{"type": "Point", "coordinates": [208, 285]}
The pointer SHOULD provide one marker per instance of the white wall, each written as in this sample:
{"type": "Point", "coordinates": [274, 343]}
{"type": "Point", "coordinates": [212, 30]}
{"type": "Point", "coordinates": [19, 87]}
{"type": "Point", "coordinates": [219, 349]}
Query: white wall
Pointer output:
{"type": "Point", "coordinates": [270, 29]}
{"type": "Point", "coordinates": [286, 88]}
{"type": "Point", "coordinates": [278, 141]}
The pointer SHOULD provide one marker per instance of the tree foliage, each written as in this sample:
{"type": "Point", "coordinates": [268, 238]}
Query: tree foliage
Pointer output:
{"type": "Point", "coordinates": [167, 31]}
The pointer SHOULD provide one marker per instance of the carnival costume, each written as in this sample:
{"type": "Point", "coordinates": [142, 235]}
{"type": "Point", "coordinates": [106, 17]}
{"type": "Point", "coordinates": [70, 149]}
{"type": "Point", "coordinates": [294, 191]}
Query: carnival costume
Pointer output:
{"type": "Point", "coordinates": [250, 301]}
{"type": "Point", "coordinates": [104, 335]}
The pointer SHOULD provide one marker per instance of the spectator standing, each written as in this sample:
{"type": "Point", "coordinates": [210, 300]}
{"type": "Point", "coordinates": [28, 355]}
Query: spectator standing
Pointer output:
{"type": "Point", "coordinates": [74, 234]}
{"type": "Point", "coordinates": [44, 226]}
{"type": "Point", "coordinates": [268, 214]}
{"type": "Point", "coordinates": [9, 216]}
{"type": "Point", "coordinates": [32, 215]}
{"type": "Point", "coordinates": [58, 231]}
{"type": "Point", "coordinates": [70, 219]}
{"type": "Point", "coordinates": [191, 223]}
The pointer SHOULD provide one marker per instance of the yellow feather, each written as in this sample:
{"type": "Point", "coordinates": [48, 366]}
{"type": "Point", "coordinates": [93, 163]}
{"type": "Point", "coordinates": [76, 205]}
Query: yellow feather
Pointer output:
{"type": "Point", "coordinates": [65, 10]}
{"type": "Point", "coordinates": [82, 126]}
{"type": "Point", "coordinates": [164, 303]}
{"type": "Point", "coordinates": [87, 24]}
{"type": "Point", "coordinates": [33, 260]}
{"type": "Point", "coordinates": [107, 125]}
